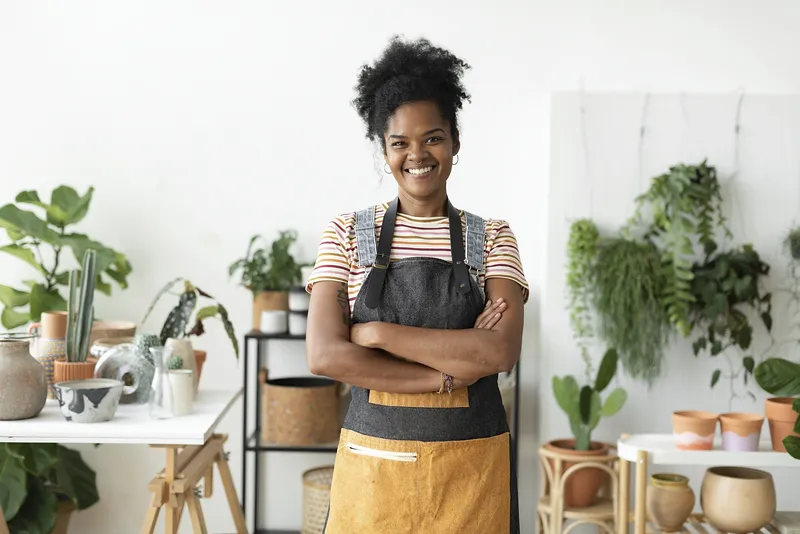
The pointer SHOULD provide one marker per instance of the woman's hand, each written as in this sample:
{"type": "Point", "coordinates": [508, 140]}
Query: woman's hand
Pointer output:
{"type": "Point", "coordinates": [491, 314]}
{"type": "Point", "coordinates": [364, 334]}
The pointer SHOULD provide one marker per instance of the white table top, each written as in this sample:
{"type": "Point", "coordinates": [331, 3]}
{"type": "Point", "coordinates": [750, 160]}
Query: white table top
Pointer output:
{"type": "Point", "coordinates": [661, 450]}
{"type": "Point", "coordinates": [131, 424]}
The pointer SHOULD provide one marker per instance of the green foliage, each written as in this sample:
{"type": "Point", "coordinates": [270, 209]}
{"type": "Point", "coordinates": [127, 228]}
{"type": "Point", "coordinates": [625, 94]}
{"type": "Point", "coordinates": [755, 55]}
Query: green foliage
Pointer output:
{"type": "Point", "coordinates": [80, 309]}
{"type": "Point", "coordinates": [35, 477]}
{"type": "Point", "coordinates": [175, 362]}
{"type": "Point", "coordinates": [629, 285]}
{"type": "Point", "coordinates": [722, 286]}
{"type": "Point", "coordinates": [32, 236]}
{"type": "Point", "coordinates": [584, 406]}
{"type": "Point", "coordinates": [781, 378]}
{"type": "Point", "coordinates": [685, 204]}
{"type": "Point", "coordinates": [581, 253]}
{"type": "Point", "coordinates": [273, 269]}
{"type": "Point", "coordinates": [792, 242]}
{"type": "Point", "coordinates": [179, 318]}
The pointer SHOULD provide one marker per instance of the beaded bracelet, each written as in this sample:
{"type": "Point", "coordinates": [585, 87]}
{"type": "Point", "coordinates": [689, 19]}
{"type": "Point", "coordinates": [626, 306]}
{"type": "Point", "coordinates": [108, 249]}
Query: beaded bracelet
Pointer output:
{"type": "Point", "coordinates": [447, 384]}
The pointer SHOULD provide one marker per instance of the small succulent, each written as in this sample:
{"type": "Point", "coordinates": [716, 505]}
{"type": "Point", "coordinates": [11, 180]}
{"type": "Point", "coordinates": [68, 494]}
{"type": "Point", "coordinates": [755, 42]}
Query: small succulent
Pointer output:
{"type": "Point", "coordinates": [175, 362]}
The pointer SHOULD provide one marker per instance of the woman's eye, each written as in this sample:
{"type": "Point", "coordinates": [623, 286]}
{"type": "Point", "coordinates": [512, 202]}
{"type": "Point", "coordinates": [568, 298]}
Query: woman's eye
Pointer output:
{"type": "Point", "coordinates": [434, 139]}
{"type": "Point", "coordinates": [398, 144]}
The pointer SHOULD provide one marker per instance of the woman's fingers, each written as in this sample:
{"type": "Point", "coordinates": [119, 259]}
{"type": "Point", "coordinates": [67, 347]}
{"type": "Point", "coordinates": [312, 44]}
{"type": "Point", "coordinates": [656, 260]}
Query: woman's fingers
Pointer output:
{"type": "Point", "coordinates": [491, 314]}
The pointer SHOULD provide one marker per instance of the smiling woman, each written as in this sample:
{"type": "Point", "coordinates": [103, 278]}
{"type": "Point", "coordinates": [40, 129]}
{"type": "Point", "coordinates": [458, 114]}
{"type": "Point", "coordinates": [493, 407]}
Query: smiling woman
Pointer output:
{"type": "Point", "coordinates": [418, 305]}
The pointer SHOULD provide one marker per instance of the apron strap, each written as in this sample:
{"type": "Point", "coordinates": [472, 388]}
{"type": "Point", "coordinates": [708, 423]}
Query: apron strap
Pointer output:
{"type": "Point", "coordinates": [381, 263]}
{"type": "Point", "coordinates": [460, 269]}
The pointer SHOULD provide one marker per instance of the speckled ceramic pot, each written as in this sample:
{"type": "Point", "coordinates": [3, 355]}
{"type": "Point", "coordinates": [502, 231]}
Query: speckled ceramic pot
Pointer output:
{"type": "Point", "coordinates": [23, 385]}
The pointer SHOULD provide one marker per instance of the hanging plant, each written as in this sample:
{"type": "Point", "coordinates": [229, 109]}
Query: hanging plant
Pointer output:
{"type": "Point", "coordinates": [629, 286]}
{"type": "Point", "coordinates": [723, 286]}
{"type": "Point", "coordinates": [793, 242]}
{"type": "Point", "coordinates": [685, 205]}
{"type": "Point", "coordinates": [581, 252]}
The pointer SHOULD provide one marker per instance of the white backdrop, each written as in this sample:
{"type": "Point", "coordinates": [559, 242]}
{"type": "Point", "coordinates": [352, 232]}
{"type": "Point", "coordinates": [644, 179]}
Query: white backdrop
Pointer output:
{"type": "Point", "coordinates": [203, 122]}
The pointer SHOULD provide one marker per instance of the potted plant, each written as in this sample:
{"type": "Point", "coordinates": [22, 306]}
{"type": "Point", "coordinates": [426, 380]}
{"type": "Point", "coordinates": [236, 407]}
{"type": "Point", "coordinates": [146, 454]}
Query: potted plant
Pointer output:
{"type": "Point", "coordinates": [781, 377]}
{"type": "Point", "coordinates": [80, 317]}
{"type": "Point", "coordinates": [43, 483]}
{"type": "Point", "coordinates": [725, 287]}
{"type": "Point", "coordinates": [185, 321]}
{"type": "Point", "coordinates": [34, 238]}
{"type": "Point", "coordinates": [584, 406]}
{"type": "Point", "coordinates": [268, 273]}
{"type": "Point", "coordinates": [792, 242]}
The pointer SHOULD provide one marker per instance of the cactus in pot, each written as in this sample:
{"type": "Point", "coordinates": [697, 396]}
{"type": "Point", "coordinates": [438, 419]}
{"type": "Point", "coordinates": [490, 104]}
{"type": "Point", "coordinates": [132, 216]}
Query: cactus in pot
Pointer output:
{"type": "Point", "coordinates": [80, 317]}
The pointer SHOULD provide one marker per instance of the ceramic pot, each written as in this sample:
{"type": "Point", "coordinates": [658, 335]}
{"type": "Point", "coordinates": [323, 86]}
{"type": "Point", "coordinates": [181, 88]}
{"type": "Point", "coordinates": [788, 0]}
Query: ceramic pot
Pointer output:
{"type": "Point", "coordinates": [694, 430]}
{"type": "Point", "coordinates": [740, 431]}
{"type": "Point", "coordinates": [199, 360]}
{"type": "Point", "coordinates": [64, 371]}
{"type": "Point", "coordinates": [583, 485]}
{"type": "Point", "coordinates": [274, 322]}
{"type": "Point", "coordinates": [738, 499]}
{"type": "Point", "coordinates": [53, 325]}
{"type": "Point", "coordinates": [268, 301]}
{"type": "Point", "coordinates": [111, 329]}
{"type": "Point", "coordinates": [23, 386]}
{"type": "Point", "coordinates": [781, 418]}
{"type": "Point", "coordinates": [297, 323]}
{"type": "Point", "coordinates": [299, 300]}
{"type": "Point", "coordinates": [182, 348]}
{"type": "Point", "coordinates": [51, 345]}
{"type": "Point", "coordinates": [89, 401]}
{"type": "Point", "coordinates": [670, 500]}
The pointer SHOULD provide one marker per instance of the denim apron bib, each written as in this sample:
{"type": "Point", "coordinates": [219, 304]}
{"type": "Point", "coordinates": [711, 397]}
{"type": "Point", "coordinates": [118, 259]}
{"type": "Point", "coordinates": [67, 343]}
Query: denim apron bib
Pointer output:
{"type": "Point", "coordinates": [428, 462]}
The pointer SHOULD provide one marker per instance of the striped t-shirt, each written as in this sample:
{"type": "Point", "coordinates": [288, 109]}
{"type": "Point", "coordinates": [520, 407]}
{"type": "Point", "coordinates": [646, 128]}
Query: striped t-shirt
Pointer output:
{"type": "Point", "coordinates": [429, 237]}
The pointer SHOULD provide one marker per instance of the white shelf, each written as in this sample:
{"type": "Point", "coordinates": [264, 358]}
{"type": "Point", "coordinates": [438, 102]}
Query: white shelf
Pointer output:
{"type": "Point", "coordinates": [131, 424]}
{"type": "Point", "coordinates": [661, 450]}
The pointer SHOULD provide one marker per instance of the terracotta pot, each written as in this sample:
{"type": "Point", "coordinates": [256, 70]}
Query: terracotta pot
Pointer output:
{"type": "Point", "coordinates": [741, 431]}
{"type": "Point", "coordinates": [268, 301]}
{"type": "Point", "coordinates": [670, 500]}
{"type": "Point", "coordinates": [53, 325]}
{"type": "Point", "coordinates": [781, 419]}
{"type": "Point", "coordinates": [23, 385]}
{"type": "Point", "coordinates": [199, 360]}
{"type": "Point", "coordinates": [583, 485]}
{"type": "Point", "coordinates": [694, 430]}
{"type": "Point", "coordinates": [64, 371]}
{"type": "Point", "coordinates": [738, 499]}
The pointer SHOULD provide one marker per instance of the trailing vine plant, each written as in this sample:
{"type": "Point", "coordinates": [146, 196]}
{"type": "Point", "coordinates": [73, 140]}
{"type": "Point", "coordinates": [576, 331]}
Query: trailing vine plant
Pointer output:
{"type": "Point", "coordinates": [581, 253]}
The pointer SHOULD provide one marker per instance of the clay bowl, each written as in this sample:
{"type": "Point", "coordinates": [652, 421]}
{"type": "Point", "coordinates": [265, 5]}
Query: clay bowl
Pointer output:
{"type": "Point", "coordinates": [89, 401]}
{"type": "Point", "coordinates": [737, 499]}
{"type": "Point", "coordinates": [694, 430]}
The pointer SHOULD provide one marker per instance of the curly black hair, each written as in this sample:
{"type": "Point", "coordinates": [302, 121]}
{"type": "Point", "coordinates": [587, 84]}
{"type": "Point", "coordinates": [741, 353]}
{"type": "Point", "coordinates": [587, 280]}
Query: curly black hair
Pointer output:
{"type": "Point", "coordinates": [408, 72]}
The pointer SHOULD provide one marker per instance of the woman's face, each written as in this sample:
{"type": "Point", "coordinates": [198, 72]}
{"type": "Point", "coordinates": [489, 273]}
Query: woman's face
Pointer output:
{"type": "Point", "coordinates": [420, 150]}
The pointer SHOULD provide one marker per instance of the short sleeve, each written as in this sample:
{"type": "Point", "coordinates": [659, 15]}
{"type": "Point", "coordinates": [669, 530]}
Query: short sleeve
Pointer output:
{"type": "Point", "coordinates": [502, 257]}
{"type": "Point", "coordinates": [333, 256]}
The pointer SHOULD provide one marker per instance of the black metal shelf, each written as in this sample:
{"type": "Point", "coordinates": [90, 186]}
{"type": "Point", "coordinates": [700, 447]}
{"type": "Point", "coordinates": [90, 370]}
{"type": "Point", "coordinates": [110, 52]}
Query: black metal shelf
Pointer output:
{"type": "Point", "coordinates": [255, 334]}
{"type": "Point", "coordinates": [254, 443]}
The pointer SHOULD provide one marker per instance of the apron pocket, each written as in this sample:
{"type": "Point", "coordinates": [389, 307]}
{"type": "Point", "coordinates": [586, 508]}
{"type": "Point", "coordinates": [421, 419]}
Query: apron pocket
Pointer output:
{"type": "Point", "coordinates": [408, 487]}
{"type": "Point", "coordinates": [458, 398]}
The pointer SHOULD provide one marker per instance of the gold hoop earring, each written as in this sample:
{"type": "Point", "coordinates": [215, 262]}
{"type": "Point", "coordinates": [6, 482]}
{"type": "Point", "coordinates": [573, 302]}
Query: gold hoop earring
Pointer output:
{"type": "Point", "coordinates": [455, 160]}
{"type": "Point", "coordinates": [386, 168]}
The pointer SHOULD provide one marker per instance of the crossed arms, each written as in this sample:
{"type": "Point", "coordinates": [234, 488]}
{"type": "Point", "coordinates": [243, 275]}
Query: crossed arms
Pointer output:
{"type": "Point", "coordinates": [364, 354]}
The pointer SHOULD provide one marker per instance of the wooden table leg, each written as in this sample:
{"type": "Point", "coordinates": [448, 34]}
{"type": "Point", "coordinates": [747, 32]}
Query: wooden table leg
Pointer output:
{"type": "Point", "coordinates": [174, 487]}
{"type": "Point", "coordinates": [623, 519]}
{"type": "Point", "coordinates": [3, 524]}
{"type": "Point", "coordinates": [640, 495]}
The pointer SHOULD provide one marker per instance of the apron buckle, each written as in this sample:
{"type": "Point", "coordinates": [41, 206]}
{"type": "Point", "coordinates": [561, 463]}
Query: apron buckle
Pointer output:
{"type": "Point", "coordinates": [381, 261]}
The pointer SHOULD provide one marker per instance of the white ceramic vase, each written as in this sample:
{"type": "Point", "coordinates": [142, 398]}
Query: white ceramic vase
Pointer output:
{"type": "Point", "coordinates": [182, 348]}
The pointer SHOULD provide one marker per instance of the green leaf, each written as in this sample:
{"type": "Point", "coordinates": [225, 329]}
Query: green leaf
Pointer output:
{"type": "Point", "coordinates": [606, 371]}
{"type": "Point", "coordinates": [792, 444]}
{"type": "Point", "coordinates": [749, 363]}
{"type": "Point", "coordinates": [43, 300]}
{"type": "Point", "coordinates": [715, 377]}
{"type": "Point", "coordinates": [14, 235]}
{"type": "Point", "coordinates": [226, 322]}
{"type": "Point", "coordinates": [779, 377]}
{"type": "Point", "coordinates": [565, 390]}
{"type": "Point", "coordinates": [38, 513]}
{"type": "Point", "coordinates": [101, 285]}
{"type": "Point", "coordinates": [13, 483]}
{"type": "Point", "coordinates": [206, 312]}
{"type": "Point", "coordinates": [74, 207]}
{"type": "Point", "coordinates": [13, 298]}
{"type": "Point", "coordinates": [11, 319]}
{"type": "Point", "coordinates": [179, 316]}
{"type": "Point", "coordinates": [25, 254]}
{"type": "Point", "coordinates": [37, 458]}
{"type": "Point", "coordinates": [614, 402]}
{"type": "Point", "coordinates": [28, 223]}
{"type": "Point", "coordinates": [79, 243]}
{"type": "Point", "coordinates": [76, 479]}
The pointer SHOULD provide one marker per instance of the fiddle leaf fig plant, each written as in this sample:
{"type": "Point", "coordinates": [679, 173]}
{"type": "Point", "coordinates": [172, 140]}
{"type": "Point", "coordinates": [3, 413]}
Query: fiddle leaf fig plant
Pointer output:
{"type": "Point", "coordinates": [41, 234]}
{"type": "Point", "coordinates": [180, 323]}
{"type": "Point", "coordinates": [584, 406]}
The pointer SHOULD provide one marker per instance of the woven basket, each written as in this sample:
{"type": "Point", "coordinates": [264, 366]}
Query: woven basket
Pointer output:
{"type": "Point", "coordinates": [316, 498]}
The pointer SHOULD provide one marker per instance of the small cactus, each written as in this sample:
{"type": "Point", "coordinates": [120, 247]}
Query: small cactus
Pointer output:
{"type": "Point", "coordinates": [175, 362]}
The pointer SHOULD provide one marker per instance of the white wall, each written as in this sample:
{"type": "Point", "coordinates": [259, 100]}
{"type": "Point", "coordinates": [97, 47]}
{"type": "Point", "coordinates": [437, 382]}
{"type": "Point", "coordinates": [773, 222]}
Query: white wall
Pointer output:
{"type": "Point", "coordinates": [201, 123]}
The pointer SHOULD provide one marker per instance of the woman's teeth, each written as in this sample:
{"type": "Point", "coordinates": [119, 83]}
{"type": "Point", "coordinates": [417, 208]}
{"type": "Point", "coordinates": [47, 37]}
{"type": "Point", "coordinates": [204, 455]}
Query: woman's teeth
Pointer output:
{"type": "Point", "coordinates": [424, 170]}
